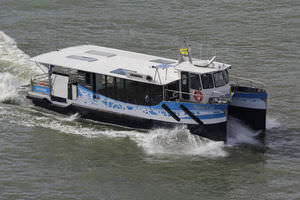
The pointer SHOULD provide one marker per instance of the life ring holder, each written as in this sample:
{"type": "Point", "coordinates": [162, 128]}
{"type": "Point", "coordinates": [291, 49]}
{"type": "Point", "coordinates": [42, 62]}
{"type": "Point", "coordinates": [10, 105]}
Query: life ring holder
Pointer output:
{"type": "Point", "coordinates": [198, 96]}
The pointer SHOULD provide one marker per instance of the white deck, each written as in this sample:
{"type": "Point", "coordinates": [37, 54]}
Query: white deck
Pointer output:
{"type": "Point", "coordinates": [104, 60]}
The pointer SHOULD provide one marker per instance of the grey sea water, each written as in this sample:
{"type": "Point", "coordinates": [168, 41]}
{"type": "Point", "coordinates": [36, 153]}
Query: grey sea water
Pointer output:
{"type": "Point", "coordinates": [44, 155]}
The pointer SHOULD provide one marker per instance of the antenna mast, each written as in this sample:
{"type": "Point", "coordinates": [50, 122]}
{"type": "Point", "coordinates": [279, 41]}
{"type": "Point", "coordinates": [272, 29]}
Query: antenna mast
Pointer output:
{"type": "Point", "coordinates": [186, 51]}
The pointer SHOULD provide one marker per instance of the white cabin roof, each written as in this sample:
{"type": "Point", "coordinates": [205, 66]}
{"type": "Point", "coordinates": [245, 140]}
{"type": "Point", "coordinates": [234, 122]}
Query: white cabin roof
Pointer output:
{"type": "Point", "coordinates": [114, 62]}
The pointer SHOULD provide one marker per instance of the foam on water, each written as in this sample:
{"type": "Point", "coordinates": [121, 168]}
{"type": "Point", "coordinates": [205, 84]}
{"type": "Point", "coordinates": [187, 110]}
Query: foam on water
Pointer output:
{"type": "Point", "coordinates": [16, 69]}
{"type": "Point", "coordinates": [239, 133]}
{"type": "Point", "coordinates": [14, 60]}
{"type": "Point", "coordinates": [8, 86]}
{"type": "Point", "coordinates": [272, 123]}
{"type": "Point", "coordinates": [179, 141]}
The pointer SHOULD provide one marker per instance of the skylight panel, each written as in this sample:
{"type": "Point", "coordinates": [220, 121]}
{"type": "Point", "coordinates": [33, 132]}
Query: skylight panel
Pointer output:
{"type": "Point", "coordinates": [122, 71]}
{"type": "Point", "coordinates": [84, 58]}
{"type": "Point", "coordinates": [100, 53]}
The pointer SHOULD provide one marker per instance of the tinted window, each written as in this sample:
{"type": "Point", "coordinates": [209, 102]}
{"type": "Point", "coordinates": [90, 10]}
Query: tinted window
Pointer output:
{"type": "Point", "coordinates": [156, 94]}
{"type": "Point", "coordinates": [219, 79]}
{"type": "Point", "coordinates": [195, 82]}
{"type": "Point", "coordinates": [207, 81]}
{"type": "Point", "coordinates": [109, 90]}
{"type": "Point", "coordinates": [88, 78]}
{"type": "Point", "coordinates": [142, 91]}
{"type": "Point", "coordinates": [127, 90]}
{"type": "Point", "coordinates": [131, 91]}
{"type": "Point", "coordinates": [184, 79]}
{"type": "Point", "coordinates": [100, 83]}
{"type": "Point", "coordinates": [226, 77]}
{"type": "Point", "coordinates": [185, 85]}
{"type": "Point", "coordinates": [84, 79]}
{"type": "Point", "coordinates": [120, 89]}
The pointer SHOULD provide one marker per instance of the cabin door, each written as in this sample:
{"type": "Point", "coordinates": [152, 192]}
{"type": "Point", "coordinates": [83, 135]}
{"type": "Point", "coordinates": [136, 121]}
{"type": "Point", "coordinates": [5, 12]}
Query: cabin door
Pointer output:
{"type": "Point", "coordinates": [59, 87]}
{"type": "Point", "coordinates": [185, 89]}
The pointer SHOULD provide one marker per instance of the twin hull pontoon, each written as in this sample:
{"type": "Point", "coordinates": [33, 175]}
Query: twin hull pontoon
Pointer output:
{"type": "Point", "coordinates": [143, 91]}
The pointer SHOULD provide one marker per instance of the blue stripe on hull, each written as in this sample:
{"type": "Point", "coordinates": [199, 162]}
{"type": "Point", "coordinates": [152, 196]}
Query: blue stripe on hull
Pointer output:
{"type": "Point", "coordinates": [212, 111]}
{"type": "Point", "coordinates": [251, 95]}
{"type": "Point", "coordinates": [40, 89]}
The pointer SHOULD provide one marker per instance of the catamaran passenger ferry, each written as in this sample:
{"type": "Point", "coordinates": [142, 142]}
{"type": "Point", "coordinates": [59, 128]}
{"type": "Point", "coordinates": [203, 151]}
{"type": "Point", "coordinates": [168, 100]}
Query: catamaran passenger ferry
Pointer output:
{"type": "Point", "coordinates": [144, 92]}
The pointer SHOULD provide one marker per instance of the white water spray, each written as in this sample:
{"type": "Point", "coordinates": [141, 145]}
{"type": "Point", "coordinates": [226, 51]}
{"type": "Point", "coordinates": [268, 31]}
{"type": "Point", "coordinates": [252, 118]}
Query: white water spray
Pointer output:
{"type": "Point", "coordinates": [16, 69]}
{"type": "Point", "coordinates": [179, 141]}
{"type": "Point", "coordinates": [240, 133]}
{"type": "Point", "coordinates": [272, 123]}
{"type": "Point", "coordinates": [8, 86]}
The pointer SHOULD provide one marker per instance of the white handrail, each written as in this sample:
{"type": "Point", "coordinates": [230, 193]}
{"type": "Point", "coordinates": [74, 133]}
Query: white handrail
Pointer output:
{"type": "Point", "coordinates": [251, 82]}
{"type": "Point", "coordinates": [222, 96]}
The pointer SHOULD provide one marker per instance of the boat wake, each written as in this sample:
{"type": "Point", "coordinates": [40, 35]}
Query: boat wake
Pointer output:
{"type": "Point", "coordinates": [157, 142]}
{"type": "Point", "coordinates": [15, 70]}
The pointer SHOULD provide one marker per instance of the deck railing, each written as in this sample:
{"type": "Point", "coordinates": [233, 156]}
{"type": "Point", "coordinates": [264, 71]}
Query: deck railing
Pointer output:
{"type": "Point", "coordinates": [244, 82]}
{"type": "Point", "coordinates": [214, 98]}
{"type": "Point", "coordinates": [40, 79]}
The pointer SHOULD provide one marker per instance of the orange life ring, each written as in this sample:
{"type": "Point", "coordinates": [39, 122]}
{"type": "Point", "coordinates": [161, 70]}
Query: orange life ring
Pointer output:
{"type": "Point", "coordinates": [198, 96]}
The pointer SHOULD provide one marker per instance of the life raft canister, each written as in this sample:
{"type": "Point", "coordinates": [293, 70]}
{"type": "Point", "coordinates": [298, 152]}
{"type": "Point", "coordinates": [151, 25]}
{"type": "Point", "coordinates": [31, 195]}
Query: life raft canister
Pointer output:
{"type": "Point", "coordinates": [198, 96]}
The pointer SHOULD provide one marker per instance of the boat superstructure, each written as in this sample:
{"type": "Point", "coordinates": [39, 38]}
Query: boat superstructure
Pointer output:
{"type": "Point", "coordinates": [138, 90]}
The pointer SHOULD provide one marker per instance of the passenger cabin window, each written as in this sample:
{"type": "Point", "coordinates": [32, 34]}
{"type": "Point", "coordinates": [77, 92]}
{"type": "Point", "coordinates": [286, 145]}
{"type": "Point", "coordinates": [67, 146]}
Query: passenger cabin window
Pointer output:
{"type": "Point", "coordinates": [85, 79]}
{"type": "Point", "coordinates": [131, 91]}
{"type": "Point", "coordinates": [88, 78]}
{"type": "Point", "coordinates": [219, 79]}
{"type": "Point", "coordinates": [207, 81]}
{"type": "Point", "coordinates": [156, 94]}
{"type": "Point", "coordinates": [100, 84]}
{"type": "Point", "coordinates": [122, 89]}
{"type": "Point", "coordinates": [195, 82]}
{"type": "Point", "coordinates": [109, 86]}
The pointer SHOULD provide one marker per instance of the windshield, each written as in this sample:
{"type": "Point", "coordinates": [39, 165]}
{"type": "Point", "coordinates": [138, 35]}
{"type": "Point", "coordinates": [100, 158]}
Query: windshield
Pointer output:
{"type": "Point", "coordinates": [219, 78]}
{"type": "Point", "coordinates": [225, 73]}
{"type": "Point", "coordinates": [207, 81]}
